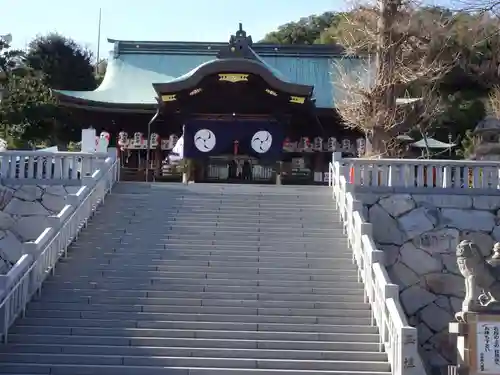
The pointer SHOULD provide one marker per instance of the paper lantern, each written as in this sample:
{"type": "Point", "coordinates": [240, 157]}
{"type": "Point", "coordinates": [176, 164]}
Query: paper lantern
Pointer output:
{"type": "Point", "coordinates": [122, 139]}
{"type": "Point", "coordinates": [332, 144]}
{"type": "Point", "coordinates": [172, 140]}
{"type": "Point", "coordinates": [287, 145]}
{"type": "Point", "coordinates": [361, 146]}
{"type": "Point", "coordinates": [102, 142]}
{"type": "Point", "coordinates": [155, 139]}
{"type": "Point", "coordinates": [346, 144]}
{"type": "Point", "coordinates": [105, 135]}
{"type": "Point", "coordinates": [305, 144]}
{"type": "Point", "coordinates": [164, 143]}
{"type": "Point", "coordinates": [318, 144]}
{"type": "Point", "coordinates": [137, 140]}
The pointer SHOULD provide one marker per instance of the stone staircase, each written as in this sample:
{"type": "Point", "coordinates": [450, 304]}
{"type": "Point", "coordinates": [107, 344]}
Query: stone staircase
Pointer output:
{"type": "Point", "coordinates": [201, 280]}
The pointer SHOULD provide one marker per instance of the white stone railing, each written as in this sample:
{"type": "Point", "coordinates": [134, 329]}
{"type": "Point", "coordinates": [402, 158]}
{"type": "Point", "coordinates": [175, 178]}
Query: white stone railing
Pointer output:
{"type": "Point", "coordinates": [397, 337]}
{"type": "Point", "coordinates": [25, 278]}
{"type": "Point", "coordinates": [419, 175]}
{"type": "Point", "coordinates": [48, 168]}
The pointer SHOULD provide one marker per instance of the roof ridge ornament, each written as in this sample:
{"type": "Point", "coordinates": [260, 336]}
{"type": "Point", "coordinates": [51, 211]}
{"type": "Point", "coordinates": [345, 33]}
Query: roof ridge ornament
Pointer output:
{"type": "Point", "coordinates": [239, 46]}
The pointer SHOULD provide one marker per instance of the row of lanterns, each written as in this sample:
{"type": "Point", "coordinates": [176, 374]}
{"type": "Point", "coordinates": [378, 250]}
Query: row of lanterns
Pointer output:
{"type": "Point", "coordinates": [319, 144]}
{"type": "Point", "coordinates": [139, 141]}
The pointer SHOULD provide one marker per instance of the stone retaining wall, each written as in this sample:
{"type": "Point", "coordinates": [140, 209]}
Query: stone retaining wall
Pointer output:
{"type": "Point", "coordinates": [419, 233]}
{"type": "Point", "coordinates": [23, 216]}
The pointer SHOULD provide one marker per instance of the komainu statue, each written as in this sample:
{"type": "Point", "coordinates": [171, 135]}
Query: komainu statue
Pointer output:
{"type": "Point", "coordinates": [482, 278]}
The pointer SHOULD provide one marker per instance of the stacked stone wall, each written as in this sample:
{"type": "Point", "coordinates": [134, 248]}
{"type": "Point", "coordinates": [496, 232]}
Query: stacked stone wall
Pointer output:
{"type": "Point", "coordinates": [23, 216]}
{"type": "Point", "coordinates": [418, 234]}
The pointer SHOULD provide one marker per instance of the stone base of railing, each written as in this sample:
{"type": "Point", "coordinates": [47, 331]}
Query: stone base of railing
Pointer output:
{"type": "Point", "coordinates": [458, 370]}
{"type": "Point", "coordinates": [25, 278]}
{"type": "Point", "coordinates": [399, 338]}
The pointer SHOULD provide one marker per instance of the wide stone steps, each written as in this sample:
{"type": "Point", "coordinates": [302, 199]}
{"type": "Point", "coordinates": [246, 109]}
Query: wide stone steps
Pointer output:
{"type": "Point", "coordinates": [58, 294]}
{"type": "Point", "coordinates": [202, 280]}
{"type": "Point", "coordinates": [194, 352]}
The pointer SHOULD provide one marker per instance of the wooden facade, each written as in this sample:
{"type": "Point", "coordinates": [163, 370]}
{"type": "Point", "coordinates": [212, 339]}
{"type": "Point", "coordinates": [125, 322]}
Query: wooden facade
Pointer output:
{"type": "Point", "coordinates": [238, 85]}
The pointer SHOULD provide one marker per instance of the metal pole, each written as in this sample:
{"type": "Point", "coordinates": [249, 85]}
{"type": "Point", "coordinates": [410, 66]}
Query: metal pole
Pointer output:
{"type": "Point", "coordinates": [149, 142]}
{"type": "Point", "coordinates": [98, 43]}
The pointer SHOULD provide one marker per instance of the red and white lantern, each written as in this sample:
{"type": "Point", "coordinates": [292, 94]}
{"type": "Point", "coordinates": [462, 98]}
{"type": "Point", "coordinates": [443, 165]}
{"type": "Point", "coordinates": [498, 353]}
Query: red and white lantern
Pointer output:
{"type": "Point", "coordinates": [102, 142]}
{"type": "Point", "coordinates": [123, 139]}
{"type": "Point", "coordinates": [287, 145]}
{"type": "Point", "coordinates": [306, 144]}
{"type": "Point", "coordinates": [105, 135]}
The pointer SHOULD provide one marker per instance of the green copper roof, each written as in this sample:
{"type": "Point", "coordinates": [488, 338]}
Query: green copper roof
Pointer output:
{"type": "Point", "coordinates": [135, 66]}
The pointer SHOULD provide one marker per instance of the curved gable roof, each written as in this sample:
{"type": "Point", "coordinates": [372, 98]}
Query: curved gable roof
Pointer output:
{"type": "Point", "coordinates": [134, 66]}
{"type": "Point", "coordinates": [236, 65]}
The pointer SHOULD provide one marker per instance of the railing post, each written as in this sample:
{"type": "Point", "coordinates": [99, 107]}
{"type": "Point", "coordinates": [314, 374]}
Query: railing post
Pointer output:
{"type": "Point", "coordinates": [408, 351]}
{"type": "Point", "coordinates": [54, 222]}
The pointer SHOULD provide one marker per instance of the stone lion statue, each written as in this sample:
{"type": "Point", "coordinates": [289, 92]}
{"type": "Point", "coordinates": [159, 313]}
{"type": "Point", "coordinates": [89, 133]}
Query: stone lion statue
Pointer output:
{"type": "Point", "coordinates": [482, 277]}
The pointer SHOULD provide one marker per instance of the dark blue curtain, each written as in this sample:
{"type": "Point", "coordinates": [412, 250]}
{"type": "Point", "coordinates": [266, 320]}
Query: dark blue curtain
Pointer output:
{"type": "Point", "coordinates": [263, 139]}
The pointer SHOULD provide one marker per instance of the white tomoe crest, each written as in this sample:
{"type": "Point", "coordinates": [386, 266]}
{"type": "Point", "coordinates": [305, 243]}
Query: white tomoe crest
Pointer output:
{"type": "Point", "coordinates": [204, 140]}
{"type": "Point", "coordinates": [262, 141]}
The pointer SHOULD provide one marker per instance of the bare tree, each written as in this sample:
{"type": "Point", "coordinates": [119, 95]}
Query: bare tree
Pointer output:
{"type": "Point", "coordinates": [395, 88]}
{"type": "Point", "coordinates": [479, 6]}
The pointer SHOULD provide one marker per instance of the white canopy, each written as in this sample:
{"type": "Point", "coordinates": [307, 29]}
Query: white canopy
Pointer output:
{"type": "Point", "coordinates": [432, 143]}
{"type": "Point", "coordinates": [178, 150]}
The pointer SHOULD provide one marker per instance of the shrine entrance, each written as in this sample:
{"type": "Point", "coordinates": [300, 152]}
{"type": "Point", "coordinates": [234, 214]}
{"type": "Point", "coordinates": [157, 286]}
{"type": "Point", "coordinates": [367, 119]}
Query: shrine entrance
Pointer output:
{"type": "Point", "coordinates": [233, 150]}
{"type": "Point", "coordinates": [236, 114]}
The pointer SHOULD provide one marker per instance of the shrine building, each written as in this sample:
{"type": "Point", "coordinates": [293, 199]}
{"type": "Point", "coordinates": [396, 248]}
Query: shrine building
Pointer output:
{"type": "Point", "coordinates": [245, 109]}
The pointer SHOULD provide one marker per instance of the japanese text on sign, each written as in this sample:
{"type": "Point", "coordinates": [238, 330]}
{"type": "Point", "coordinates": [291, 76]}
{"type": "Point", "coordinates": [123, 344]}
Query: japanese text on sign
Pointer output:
{"type": "Point", "coordinates": [488, 347]}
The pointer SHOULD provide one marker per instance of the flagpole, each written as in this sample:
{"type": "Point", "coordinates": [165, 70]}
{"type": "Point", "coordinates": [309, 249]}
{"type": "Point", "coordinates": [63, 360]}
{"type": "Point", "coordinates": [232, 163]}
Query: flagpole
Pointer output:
{"type": "Point", "coordinates": [98, 42]}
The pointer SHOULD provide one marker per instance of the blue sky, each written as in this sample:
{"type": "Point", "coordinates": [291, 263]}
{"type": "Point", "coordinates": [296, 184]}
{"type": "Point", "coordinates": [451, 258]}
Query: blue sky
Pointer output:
{"type": "Point", "coordinates": [192, 20]}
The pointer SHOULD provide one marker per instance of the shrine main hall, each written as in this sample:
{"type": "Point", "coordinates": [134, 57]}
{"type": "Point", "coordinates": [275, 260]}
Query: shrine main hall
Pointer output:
{"type": "Point", "coordinates": [246, 111]}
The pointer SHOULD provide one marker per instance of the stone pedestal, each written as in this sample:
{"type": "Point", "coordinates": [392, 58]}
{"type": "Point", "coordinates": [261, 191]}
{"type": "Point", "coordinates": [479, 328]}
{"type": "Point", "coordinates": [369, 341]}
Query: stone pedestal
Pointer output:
{"type": "Point", "coordinates": [478, 344]}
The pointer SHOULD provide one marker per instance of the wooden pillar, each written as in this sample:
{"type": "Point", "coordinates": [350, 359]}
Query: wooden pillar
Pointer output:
{"type": "Point", "coordinates": [279, 168]}
{"type": "Point", "coordinates": [189, 169]}
{"type": "Point", "coordinates": [158, 160]}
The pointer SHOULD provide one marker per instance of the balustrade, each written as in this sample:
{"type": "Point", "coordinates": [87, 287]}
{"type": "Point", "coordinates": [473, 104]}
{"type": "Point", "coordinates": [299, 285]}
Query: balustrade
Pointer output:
{"type": "Point", "coordinates": [25, 278]}
{"type": "Point", "coordinates": [419, 173]}
{"type": "Point", "coordinates": [48, 168]}
{"type": "Point", "coordinates": [397, 337]}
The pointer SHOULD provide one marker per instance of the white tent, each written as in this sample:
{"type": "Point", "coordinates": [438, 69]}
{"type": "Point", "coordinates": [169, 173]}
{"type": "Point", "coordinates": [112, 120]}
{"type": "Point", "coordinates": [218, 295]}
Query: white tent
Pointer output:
{"type": "Point", "coordinates": [177, 153]}
{"type": "Point", "coordinates": [432, 143]}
